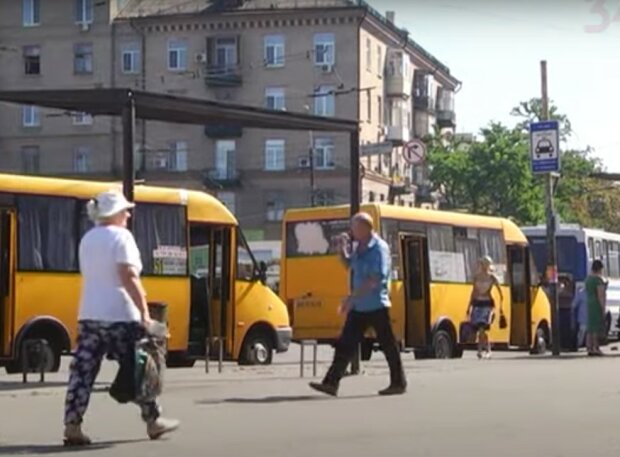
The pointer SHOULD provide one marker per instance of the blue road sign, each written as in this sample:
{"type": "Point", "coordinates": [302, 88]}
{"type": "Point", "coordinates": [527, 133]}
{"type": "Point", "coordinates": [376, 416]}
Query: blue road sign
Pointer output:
{"type": "Point", "coordinates": [545, 147]}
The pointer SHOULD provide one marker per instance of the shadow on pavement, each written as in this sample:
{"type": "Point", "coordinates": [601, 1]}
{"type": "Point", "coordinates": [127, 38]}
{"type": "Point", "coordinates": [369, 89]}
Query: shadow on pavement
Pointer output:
{"type": "Point", "coordinates": [26, 449]}
{"type": "Point", "coordinates": [7, 386]}
{"type": "Point", "coordinates": [281, 399]}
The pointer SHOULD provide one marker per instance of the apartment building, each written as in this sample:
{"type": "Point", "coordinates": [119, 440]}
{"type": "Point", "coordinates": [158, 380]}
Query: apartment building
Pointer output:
{"type": "Point", "coordinates": [326, 57]}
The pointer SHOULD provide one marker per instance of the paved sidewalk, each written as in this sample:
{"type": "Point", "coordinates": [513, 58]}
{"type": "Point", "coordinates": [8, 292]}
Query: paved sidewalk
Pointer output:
{"type": "Point", "coordinates": [512, 405]}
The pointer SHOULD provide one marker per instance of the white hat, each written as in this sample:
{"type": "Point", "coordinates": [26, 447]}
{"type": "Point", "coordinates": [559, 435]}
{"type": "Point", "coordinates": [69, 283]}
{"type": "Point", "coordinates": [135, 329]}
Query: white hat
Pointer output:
{"type": "Point", "coordinates": [108, 204]}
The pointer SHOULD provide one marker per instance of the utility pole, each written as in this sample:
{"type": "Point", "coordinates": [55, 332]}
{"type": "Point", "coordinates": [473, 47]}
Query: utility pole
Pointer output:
{"type": "Point", "coordinates": [552, 269]}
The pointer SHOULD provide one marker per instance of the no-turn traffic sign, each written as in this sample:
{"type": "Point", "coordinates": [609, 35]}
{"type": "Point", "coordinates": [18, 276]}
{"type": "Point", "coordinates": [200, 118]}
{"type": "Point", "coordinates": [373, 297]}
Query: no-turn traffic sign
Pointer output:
{"type": "Point", "coordinates": [414, 152]}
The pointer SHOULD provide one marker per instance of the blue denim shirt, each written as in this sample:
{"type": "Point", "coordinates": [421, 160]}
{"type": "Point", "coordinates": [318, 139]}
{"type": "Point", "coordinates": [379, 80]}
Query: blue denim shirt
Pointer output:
{"type": "Point", "coordinates": [374, 261]}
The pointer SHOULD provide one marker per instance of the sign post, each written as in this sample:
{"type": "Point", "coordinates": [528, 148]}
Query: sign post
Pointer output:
{"type": "Point", "coordinates": [545, 159]}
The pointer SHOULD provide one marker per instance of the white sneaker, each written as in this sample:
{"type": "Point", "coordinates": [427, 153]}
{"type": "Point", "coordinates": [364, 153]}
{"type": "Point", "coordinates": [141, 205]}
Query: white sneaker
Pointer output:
{"type": "Point", "coordinates": [161, 426]}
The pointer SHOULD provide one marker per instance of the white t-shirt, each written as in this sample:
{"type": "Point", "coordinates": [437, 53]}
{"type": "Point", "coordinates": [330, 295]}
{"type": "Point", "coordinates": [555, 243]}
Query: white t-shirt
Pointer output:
{"type": "Point", "coordinates": [103, 297]}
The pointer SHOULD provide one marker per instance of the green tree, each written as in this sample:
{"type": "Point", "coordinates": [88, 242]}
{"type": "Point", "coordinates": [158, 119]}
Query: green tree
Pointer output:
{"type": "Point", "coordinates": [491, 176]}
{"type": "Point", "coordinates": [531, 111]}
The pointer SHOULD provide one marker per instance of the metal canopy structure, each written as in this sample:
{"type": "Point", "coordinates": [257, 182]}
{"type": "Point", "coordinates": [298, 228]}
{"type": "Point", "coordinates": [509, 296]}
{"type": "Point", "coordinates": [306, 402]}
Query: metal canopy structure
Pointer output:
{"type": "Point", "coordinates": [131, 104]}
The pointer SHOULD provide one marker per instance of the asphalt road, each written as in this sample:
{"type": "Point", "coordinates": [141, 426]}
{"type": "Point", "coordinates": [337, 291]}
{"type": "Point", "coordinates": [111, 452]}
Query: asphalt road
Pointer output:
{"type": "Point", "coordinates": [511, 405]}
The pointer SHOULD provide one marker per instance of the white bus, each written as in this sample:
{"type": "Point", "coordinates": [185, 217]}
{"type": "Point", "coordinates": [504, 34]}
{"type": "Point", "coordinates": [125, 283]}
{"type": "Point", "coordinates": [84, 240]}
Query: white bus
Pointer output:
{"type": "Point", "coordinates": [577, 248]}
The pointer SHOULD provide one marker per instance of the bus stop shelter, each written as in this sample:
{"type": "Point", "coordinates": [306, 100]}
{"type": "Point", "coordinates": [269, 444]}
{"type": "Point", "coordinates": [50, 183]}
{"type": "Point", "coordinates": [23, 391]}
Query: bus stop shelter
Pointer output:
{"type": "Point", "coordinates": [132, 104]}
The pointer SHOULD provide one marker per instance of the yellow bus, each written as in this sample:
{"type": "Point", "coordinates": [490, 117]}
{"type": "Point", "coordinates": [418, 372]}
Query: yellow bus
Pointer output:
{"type": "Point", "coordinates": [434, 256]}
{"type": "Point", "coordinates": [195, 260]}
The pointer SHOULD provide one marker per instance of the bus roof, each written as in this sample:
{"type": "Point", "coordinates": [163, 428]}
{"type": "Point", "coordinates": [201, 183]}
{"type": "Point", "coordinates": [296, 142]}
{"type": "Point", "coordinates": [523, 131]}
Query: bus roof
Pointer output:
{"type": "Point", "coordinates": [512, 233]}
{"type": "Point", "coordinates": [579, 232]}
{"type": "Point", "coordinates": [200, 205]}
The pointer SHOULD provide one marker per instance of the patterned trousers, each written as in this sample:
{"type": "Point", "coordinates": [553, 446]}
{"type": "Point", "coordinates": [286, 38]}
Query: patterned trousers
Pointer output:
{"type": "Point", "coordinates": [95, 341]}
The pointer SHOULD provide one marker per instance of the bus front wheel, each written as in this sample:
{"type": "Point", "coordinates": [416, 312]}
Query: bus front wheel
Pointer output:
{"type": "Point", "coordinates": [257, 348]}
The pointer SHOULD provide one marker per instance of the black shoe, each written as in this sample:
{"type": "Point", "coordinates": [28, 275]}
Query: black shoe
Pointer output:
{"type": "Point", "coordinates": [394, 390]}
{"type": "Point", "coordinates": [327, 389]}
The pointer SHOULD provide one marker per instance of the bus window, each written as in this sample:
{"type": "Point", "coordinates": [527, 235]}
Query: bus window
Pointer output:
{"type": "Point", "coordinates": [313, 238]}
{"type": "Point", "coordinates": [246, 265]}
{"type": "Point", "coordinates": [445, 263]}
{"type": "Point", "coordinates": [590, 249]}
{"type": "Point", "coordinates": [597, 250]}
{"type": "Point", "coordinates": [613, 270]}
{"type": "Point", "coordinates": [161, 235]}
{"type": "Point", "coordinates": [492, 244]}
{"type": "Point", "coordinates": [47, 235]}
{"type": "Point", "coordinates": [466, 244]}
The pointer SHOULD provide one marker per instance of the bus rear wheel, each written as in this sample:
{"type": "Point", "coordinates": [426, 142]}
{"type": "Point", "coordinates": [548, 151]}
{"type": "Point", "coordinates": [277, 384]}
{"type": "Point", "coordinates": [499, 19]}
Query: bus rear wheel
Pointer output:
{"type": "Point", "coordinates": [443, 345]}
{"type": "Point", "coordinates": [52, 358]}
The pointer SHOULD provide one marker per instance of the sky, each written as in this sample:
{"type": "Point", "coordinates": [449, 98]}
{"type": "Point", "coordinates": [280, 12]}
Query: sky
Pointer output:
{"type": "Point", "coordinates": [495, 47]}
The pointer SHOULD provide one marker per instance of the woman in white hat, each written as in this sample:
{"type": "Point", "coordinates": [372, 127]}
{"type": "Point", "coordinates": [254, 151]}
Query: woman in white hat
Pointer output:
{"type": "Point", "coordinates": [112, 308]}
{"type": "Point", "coordinates": [481, 304]}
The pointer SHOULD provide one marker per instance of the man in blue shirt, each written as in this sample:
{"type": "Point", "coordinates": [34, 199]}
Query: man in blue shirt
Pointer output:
{"type": "Point", "coordinates": [367, 306]}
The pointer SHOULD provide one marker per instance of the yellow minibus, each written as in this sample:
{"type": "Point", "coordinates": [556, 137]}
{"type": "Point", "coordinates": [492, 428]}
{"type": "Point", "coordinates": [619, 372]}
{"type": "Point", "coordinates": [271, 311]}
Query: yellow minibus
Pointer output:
{"type": "Point", "coordinates": [434, 257]}
{"type": "Point", "coordinates": [195, 258]}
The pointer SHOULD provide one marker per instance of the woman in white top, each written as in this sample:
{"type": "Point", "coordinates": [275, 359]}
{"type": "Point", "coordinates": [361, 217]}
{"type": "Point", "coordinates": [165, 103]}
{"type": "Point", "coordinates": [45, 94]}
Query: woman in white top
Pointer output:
{"type": "Point", "coordinates": [113, 311]}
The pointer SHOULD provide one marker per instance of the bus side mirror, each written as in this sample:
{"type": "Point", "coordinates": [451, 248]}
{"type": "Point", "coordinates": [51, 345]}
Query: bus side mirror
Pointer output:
{"type": "Point", "coordinates": [262, 271]}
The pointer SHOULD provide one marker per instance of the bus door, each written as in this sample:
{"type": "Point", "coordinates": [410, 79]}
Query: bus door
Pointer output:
{"type": "Point", "coordinates": [414, 255]}
{"type": "Point", "coordinates": [520, 296]}
{"type": "Point", "coordinates": [210, 310]}
{"type": "Point", "coordinates": [5, 283]}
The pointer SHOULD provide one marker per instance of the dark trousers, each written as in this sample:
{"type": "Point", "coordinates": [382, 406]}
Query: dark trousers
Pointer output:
{"type": "Point", "coordinates": [352, 335]}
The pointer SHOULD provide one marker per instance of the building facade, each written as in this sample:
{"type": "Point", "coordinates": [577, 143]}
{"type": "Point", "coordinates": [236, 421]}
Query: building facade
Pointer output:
{"type": "Point", "coordinates": [325, 57]}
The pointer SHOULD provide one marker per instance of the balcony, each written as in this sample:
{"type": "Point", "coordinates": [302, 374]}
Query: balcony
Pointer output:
{"type": "Point", "coordinates": [223, 76]}
{"type": "Point", "coordinates": [424, 103]}
{"type": "Point", "coordinates": [397, 85]}
{"type": "Point", "coordinates": [217, 178]}
{"type": "Point", "coordinates": [398, 134]}
{"type": "Point", "coordinates": [446, 118]}
{"type": "Point", "coordinates": [401, 186]}
{"type": "Point", "coordinates": [230, 130]}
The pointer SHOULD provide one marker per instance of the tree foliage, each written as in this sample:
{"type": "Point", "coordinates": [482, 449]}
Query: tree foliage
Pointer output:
{"type": "Point", "coordinates": [492, 175]}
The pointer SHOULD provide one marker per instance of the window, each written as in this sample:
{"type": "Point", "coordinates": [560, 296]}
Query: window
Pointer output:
{"type": "Point", "coordinates": [31, 116]}
{"type": "Point", "coordinates": [275, 206]}
{"type": "Point", "coordinates": [246, 265]}
{"type": "Point", "coordinates": [274, 51]}
{"type": "Point", "coordinates": [225, 151]}
{"type": "Point", "coordinates": [228, 199]}
{"type": "Point", "coordinates": [31, 12]}
{"type": "Point", "coordinates": [324, 153]}
{"type": "Point", "coordinates": [325, 101]}
{"type": "Point", "coordinates": [492, 245]}
{"type": "Point", "coordinates": [275, 98]}
{"type": "Point", "coordinates": [446, 264]}
{"type": "Point", "coordinates": [47, 233]}
{"type": "Point", "coordinates": [84, 11]}
{"type": "Point", "coordinates": [614, 260]}
{"type": "Point", "coordinates": [177, 55]}
{"type": "Point", "coordinates": [380, 109]}
{"type": "Point", "coordinates": [83, 58]}
{"type": "Point", "coordinates": [369, 107]}
{"type": "Point", "coordinates": [80, 118]}
{"type": "Point", "coordinates": [226, 51]}
{"type": "Point", "coordinates": [81, 159]}
{"type": "Point", "coordinates": [161, 235]}
{"type": "Point", "coordinates": [324, 49]}
{"type": "Point", "coordinates": [466, 244]}
{"type": "Point", "coordinates": [32, 60]}
{"type": "Point", "coordinates": [178, 156]}
{"type": "Point", "coordinates": [130, 58]}
{"type": "Point", "coordinates": [314, 238]}
{"type": "Point", "coordinates": [379, 60]}
{"type": "Point", "coordinates": [274, 155]}
{"type": "Point", "coordinates": [368, 54]}
{"type": "Point", "coordinates": [30, 159]}
{"type": "Point", "coordinates": [325, 198]}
